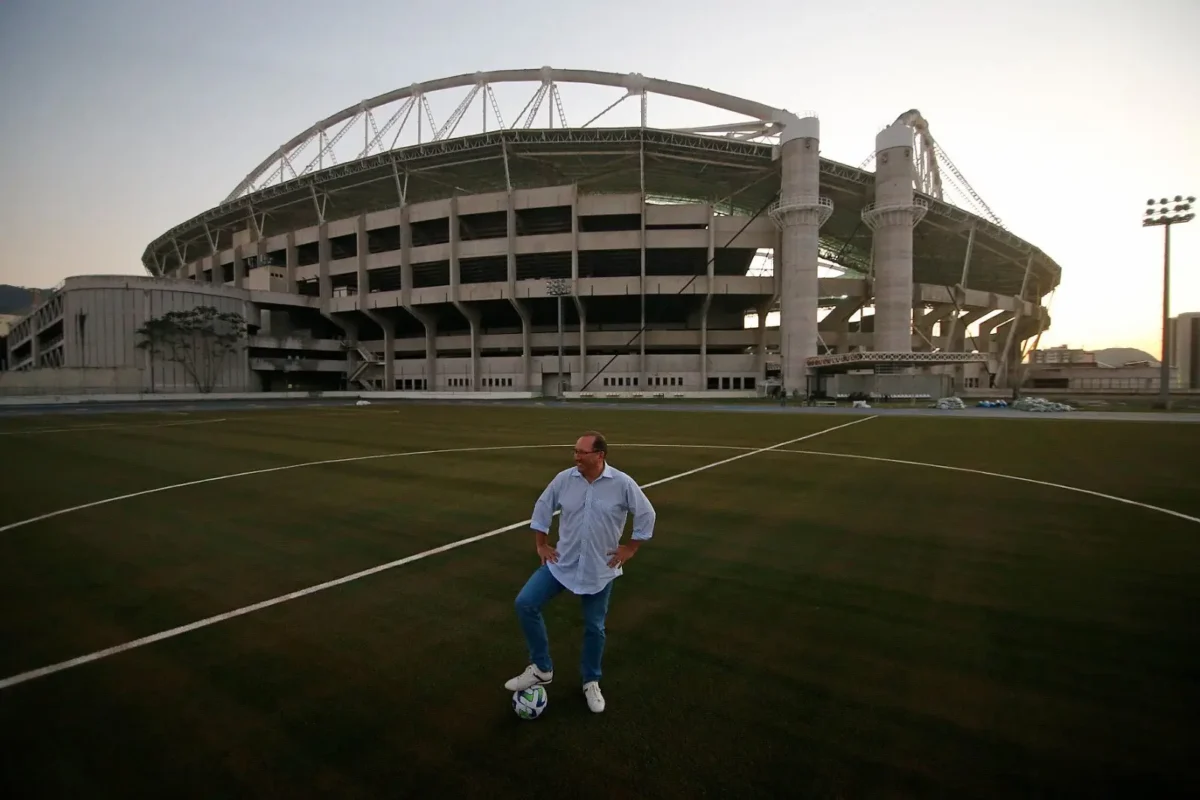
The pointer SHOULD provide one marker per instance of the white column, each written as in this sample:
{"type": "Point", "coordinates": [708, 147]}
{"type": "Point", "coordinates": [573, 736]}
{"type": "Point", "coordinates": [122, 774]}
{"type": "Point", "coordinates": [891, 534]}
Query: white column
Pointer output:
{"type": "Point", "coordinates": [799, 213]}
{"type": "Point", "coordinates": [891, 218]}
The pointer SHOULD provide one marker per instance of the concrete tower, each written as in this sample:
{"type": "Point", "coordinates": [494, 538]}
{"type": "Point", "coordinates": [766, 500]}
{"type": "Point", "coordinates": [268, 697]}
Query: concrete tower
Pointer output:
{"type": "Point", "coordinates": [891, 218]}
{"type": "Point", "coordinates": [799, 213]}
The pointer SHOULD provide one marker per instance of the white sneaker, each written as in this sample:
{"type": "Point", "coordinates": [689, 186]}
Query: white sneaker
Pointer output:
{"type": "Point", "coordinates": [532, 676]}
{"type": "Point", "coordinates": [595, 700]}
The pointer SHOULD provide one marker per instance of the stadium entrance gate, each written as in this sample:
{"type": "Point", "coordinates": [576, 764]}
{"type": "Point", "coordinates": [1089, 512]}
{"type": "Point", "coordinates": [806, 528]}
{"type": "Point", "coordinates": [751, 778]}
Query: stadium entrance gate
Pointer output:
{"type": "Point", "coordinates": [550, 384]}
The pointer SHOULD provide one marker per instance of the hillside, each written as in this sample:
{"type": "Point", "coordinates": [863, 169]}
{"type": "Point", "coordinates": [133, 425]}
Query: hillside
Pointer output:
{"type": "Point", "coordinates": [14, 299]}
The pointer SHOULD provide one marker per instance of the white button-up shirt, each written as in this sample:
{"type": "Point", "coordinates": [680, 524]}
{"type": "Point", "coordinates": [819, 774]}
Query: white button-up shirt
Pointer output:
{"type": "Point", "coordinates": [593, 518]}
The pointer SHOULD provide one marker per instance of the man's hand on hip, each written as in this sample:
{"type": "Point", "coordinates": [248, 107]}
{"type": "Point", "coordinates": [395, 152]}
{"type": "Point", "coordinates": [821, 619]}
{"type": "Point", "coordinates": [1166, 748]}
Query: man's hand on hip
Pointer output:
{"type": "Point", "coordinates": [622, 554]}
{"type": "Point", "coordinates": [547, 553]}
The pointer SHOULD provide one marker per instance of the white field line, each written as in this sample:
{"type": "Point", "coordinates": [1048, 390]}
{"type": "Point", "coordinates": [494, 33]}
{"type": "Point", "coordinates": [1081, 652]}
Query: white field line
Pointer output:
{"type": "Point", "coordinates": [173, 632]}
{"type": "Point", "coordinates": [59, 512]}
{"type": "Point", "coordinates": [1102, 495]}
{"type": "Point", "coordinates": [114, 426]}
{"type": "Point", "coordinates": [1035, 481]}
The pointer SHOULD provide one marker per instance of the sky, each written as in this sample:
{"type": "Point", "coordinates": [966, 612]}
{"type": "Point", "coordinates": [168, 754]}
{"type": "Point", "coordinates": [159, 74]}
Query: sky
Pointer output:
{"type": "Point", "coordinates": [123, 118]}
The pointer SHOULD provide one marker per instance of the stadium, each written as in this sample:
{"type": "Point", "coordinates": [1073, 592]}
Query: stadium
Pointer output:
{"type": "Point", "coordinates": [579, 248]}
{"type": "Point", "coordinates": [293, 595]}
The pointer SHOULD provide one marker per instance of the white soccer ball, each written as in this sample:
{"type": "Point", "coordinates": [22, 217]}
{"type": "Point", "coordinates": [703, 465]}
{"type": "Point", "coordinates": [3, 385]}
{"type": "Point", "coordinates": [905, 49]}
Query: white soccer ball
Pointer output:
{"type": "Point", "coordinates": [530, 703]}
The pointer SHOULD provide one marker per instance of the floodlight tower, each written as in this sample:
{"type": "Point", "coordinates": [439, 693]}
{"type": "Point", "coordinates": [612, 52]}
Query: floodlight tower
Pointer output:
{"type": "Point", "coordinates": [1165, 213]}
{"type": "Point", "coordinates": [559, 288]}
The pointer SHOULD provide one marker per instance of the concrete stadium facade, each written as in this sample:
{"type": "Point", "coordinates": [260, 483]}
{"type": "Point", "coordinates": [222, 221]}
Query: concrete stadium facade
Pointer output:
{"type": "Point", "coordinates": [628, 254]}
{"type": "Point", "coordinates": [82, 338]}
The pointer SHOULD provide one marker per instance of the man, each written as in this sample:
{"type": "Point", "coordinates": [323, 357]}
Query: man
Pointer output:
{"type": "Point", "coordinates": [595, 499]}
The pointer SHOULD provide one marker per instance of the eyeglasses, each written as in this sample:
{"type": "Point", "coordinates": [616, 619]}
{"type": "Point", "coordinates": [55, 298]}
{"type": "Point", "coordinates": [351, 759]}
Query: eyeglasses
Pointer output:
{"type": "Point", "coordinates": [585, 452]}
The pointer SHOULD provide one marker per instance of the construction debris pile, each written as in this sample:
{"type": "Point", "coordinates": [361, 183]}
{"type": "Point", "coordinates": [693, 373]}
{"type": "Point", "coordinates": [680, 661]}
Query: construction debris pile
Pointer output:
{"type": "Point", "coordinates": [1024, 404]}
{"type": "Point", "coordinates": [1040, 404]}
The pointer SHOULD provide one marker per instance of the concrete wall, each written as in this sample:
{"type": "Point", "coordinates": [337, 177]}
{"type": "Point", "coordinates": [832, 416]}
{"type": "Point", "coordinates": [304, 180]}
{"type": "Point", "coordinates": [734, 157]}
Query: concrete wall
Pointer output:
{"type": "Point", "coordinates": [72, 380]}
{"type": "Point", "coordinates": [100, 317]}
{"type": "Point", "coordinates": [501, 373]}
{"type": "Point", "coordinates": [1084, 378]}
{"type": "Point", "coordinates": [898, 386]}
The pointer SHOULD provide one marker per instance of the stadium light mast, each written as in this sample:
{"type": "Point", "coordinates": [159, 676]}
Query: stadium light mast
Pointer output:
{"type": "Point", "coordinates": [1166, 213]}
{"type": "Point", "coordinates": [558, 288]}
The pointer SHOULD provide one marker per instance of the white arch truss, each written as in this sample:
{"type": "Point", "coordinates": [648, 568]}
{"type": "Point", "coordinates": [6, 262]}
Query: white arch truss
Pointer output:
{"type": "Point", "coordinates": [408, 117]}
{"type": "Point", "coordinates": [929, 160]}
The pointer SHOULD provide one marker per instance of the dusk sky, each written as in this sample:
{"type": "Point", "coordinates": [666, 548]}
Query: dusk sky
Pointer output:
{"type": "Point", "coordinates": [125, 117]}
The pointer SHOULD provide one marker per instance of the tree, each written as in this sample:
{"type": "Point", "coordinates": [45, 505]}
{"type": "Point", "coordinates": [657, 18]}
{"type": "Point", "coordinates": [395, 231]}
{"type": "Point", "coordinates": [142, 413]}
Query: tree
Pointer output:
{"type": "Point", "coordinates": [199, 340]}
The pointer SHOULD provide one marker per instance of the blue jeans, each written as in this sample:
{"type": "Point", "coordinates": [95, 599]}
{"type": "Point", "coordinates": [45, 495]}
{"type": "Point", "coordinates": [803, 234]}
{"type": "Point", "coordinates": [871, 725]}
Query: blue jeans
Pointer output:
{"type": "Point", "coordinates": [542, 586]}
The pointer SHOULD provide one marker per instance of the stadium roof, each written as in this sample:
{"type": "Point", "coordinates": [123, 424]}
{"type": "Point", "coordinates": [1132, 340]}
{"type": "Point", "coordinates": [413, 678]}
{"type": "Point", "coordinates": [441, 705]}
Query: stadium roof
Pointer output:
{"type": "Point", "coordinates": [738, 176]}
{"type": "Point", "coordinates": [732, 165]}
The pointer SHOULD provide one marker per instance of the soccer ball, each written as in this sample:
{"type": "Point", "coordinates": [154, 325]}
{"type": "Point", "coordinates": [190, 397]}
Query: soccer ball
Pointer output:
{"type": "Point", "coordinates": [530, 703]}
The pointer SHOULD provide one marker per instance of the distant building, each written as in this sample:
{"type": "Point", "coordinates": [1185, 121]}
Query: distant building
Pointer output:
{"type": "Point", "coordinates": [81, 338]}
{"type": "Point", "coordinates": [1184, 337]}
{"type": "Point", "coordinates": [6, 323]}
{"type": "Point", "coordinates": [1117, 370]}
{"type": "Point", "coordinates": [1062, 355]}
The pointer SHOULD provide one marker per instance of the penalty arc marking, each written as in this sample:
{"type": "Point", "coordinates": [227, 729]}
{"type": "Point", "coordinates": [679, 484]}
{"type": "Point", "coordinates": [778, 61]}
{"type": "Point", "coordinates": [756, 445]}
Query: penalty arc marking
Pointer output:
{"type": "Point", "coordinates": [777, 448]}
{"type": "Point", "coordinates": [930, 465]}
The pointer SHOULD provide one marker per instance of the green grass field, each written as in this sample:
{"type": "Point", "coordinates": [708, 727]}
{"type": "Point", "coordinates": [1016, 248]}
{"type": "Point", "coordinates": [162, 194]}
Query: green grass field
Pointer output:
{"type": "Point", "coordinates": [803, 623]}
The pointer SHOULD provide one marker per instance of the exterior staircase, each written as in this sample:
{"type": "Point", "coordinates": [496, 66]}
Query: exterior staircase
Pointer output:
{"type": "Point", "coordinates": [369, 360]}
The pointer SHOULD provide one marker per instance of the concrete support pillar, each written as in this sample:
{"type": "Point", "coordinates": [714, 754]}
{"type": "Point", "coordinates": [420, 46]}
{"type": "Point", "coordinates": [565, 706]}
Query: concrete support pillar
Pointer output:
{"type": "Point", "coordinates": [956, 329]}
{"type": "Point", "coordinates": [892, 218]}
{"type": "Point", "coordinates": [521, 309]}
{"type": "Point", "coordinates": [406, 272]}
{"type": "Point", "coordinates": [835, 328]}
{"type": "Point", "coordinates": [289, 251]}
{"type": "Point", "coordinates": [580, 308]}
{"type": "Point", "coordinates": [239, 267]}
{"type": "Point", "coordinates": [641, 361]}
{"type": "Point", "coordinates": [709, 280]}
{"type": "Point", "coordinates": [1019, 302]}
{"type": "Point", "coordinates": [353, 357]}
{"type": "Point", "coordinates": [361, 251]}
{"type": "Point", "coordinates": [349, 329]}
{"type": "Point", "coordinates": [760, 347]}
{"type": "Point", "coordinates": [469, 313]}
{"type": "Point", "coordinates": [764, 308]}
{"type": "Point", "coordinates": [389, 346]}
{"type": "Point", "coordinates": [992, 333]}
{"type": "Point", "coordinates": [956, 340]}
{"type": "Point", "coordinates": [799, 213]}
{"type": "Point", "coordinates": [260, 256]}
{"type": "Point", "coordinates": [426, 318]}
{"type": "Point", "coordinates": [924, 321]}
{"type": "Point", "coordinates": [1025, 327]}
{"type": "Point", "coordinates": [362, 254]}
{"type": "Point", "coordinates": [324, 283]}
{"type": "Point", "coordinates": [965, 321]}
{"type": "Point", "coordinates": [422, 315]}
